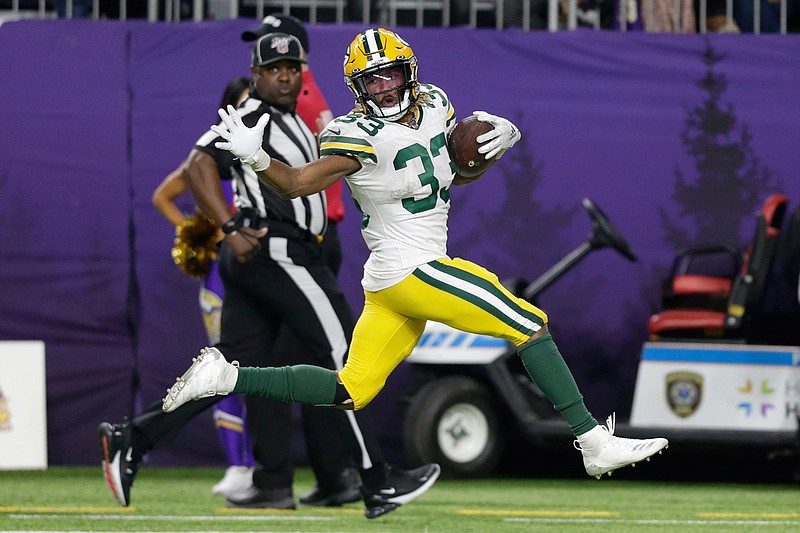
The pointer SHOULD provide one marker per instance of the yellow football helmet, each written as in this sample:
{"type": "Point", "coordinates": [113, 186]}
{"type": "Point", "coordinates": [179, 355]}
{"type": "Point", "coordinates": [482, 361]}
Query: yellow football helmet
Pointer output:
{"type": "Point", "coordinates": [371, 52]}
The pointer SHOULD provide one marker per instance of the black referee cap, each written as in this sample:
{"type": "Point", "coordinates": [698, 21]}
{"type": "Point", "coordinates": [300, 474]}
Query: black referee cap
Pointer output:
{"type": "Point", "coordinates": [273, 47]}
{"type": "Point", "coordinates": [278, 22]}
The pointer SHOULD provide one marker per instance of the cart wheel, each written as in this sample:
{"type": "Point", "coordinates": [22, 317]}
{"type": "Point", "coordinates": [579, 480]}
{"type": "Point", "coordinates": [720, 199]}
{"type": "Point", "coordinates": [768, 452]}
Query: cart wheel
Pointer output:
{"type": "Point", "coordinates": [453, 421]}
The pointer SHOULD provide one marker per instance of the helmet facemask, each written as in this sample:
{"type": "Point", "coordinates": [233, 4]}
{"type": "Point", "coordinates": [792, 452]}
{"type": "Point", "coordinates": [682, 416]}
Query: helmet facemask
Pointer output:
{"type": "Point", "coordinates": [366, 94]}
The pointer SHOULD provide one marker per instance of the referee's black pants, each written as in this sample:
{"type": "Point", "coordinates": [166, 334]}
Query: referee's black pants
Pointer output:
{"type": "Point", "coordinates": [289, 285]}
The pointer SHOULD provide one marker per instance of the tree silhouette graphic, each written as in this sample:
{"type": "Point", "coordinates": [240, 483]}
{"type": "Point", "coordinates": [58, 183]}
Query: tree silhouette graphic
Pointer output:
{"type": "Point", "coordinates": [730, 180]}
{"type": "Point", "coordinates": [518, 212]}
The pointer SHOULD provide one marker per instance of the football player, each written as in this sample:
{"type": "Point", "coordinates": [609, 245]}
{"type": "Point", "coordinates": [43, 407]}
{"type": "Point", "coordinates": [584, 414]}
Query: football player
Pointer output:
{"type": "Point", "coordinates": [392, 151]}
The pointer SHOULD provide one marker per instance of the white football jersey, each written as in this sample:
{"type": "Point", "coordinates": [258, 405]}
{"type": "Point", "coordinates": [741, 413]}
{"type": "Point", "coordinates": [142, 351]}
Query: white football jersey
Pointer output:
{"type": "Point", "coordinates": [403, 186]}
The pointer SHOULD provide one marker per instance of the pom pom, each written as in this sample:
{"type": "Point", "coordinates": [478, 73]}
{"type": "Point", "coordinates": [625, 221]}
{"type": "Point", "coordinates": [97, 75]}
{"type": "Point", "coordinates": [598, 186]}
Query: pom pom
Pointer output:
{"type": "Point", "coordinates": [195, 245]}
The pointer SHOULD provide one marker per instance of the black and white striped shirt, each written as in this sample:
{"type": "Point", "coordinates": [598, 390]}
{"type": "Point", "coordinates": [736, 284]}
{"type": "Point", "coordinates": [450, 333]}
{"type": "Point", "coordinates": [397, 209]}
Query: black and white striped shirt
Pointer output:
{"type": "Point", "coordinates": [286, 139]}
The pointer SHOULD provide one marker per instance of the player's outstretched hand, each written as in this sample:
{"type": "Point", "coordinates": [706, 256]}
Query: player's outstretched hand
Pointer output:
{"type": "Point", "coordinates": [494, 143]}
{"type": "Point", "coordinates": [241, 141]}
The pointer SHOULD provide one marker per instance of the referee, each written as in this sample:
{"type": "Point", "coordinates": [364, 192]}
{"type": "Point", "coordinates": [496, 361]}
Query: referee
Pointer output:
{"type": "Point", "coordinates": [337, 482]}
{"type": "Point", "coordinates": [279, 278]}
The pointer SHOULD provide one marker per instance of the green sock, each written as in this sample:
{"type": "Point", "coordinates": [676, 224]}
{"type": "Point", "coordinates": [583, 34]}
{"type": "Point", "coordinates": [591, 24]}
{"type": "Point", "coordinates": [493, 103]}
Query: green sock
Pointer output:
{"type": "Point", "coordinates": [311, 385]}
{"type": "Point", "coordinates": [550, 372]}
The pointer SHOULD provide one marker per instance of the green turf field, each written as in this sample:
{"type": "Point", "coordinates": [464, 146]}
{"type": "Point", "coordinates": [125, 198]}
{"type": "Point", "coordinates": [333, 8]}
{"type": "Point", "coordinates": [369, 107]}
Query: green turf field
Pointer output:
{"type": "Point", "coordinates": [179, 499]}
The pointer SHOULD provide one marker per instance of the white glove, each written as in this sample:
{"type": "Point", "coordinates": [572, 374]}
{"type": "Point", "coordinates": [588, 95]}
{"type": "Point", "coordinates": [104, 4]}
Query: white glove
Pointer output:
{"type": "Point", "coordinates": [494, 143]}
{"type": "Point", "coordinates": [243, 142]}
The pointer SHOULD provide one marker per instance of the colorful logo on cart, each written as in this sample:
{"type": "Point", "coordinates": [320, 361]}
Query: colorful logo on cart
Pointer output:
{"type": "Point", "coordinates": [684, 392]}
{"type": "Point", "coordinates": [763, 407]}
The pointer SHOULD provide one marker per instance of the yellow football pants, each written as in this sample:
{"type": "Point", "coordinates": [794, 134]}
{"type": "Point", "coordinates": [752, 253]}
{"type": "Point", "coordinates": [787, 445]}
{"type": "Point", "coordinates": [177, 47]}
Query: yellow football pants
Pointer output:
{"type": "Point", "coordinates": [455, 292]}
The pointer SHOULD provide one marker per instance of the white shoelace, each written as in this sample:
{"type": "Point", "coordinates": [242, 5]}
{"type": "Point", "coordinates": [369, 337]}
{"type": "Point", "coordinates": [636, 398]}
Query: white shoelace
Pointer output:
{"type": "Point", "coordinates": [611, 423]}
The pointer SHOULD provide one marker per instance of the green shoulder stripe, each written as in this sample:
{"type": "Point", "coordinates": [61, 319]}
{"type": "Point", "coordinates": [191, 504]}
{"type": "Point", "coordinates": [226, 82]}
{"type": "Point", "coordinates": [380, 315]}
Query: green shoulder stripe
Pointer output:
{"type": "Point", "coordinates": [331, 137]}
{"type": "Point", "coordinates": [451, 116]}
{"type": "Point", "coordinates": [352, 146]}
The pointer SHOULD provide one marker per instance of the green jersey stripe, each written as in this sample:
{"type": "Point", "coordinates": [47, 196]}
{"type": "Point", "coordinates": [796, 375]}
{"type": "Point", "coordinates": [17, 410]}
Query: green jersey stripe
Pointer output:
{"type": "Point", "coordinates": [451, 116]}
{"type": "Point", "coordinates": [341, 139]}
{"type": "Point", "coordinates": [348, 150]}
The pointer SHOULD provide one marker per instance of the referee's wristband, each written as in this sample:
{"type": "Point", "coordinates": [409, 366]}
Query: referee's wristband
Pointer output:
{"type": "Point", "coordinates": [232, 226]}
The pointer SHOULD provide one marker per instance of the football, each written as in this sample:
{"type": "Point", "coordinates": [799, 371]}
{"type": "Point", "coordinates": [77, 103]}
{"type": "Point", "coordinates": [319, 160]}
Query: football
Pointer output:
{"type": "Point", "coordinates": [463, 147]}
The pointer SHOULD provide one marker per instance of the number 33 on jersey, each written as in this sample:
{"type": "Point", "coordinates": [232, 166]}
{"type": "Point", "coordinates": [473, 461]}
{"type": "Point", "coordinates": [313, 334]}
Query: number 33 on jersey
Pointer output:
{"type": "Point", "coordinates": [403, 186]}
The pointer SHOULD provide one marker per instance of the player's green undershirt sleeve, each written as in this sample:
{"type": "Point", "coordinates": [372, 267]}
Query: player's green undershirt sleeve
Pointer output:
{"type": "Point", "coordinates": [550, 372]}
{"type": "Point", "coordinates": [306, 384]}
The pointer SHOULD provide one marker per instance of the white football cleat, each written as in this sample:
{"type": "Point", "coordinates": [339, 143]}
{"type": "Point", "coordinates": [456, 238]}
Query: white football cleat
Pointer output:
{"type": "Point", "coordinates": [236, 479]}
{"type": "Point", "coordinates": [603, 452]}
{"type": "Point", "coordinates": [209, 375]}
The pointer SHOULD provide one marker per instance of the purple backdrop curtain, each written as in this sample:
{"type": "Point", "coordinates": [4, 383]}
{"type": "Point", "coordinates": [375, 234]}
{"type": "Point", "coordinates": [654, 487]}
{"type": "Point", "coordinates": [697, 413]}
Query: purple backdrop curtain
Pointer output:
{"type": "Point", "coordinates": [95, 114]}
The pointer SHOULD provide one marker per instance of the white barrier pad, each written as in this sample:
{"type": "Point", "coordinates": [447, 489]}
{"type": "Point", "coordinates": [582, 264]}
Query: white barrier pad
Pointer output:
{"type": "Point", "coordinates": [23, 406]}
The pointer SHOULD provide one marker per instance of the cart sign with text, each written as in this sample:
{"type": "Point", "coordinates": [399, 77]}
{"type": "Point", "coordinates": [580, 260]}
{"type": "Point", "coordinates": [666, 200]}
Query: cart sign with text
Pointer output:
{"type": "Point", "coordinates": [718, 386]}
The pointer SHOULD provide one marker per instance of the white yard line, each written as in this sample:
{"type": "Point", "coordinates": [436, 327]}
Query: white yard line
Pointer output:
{"type": "Point", "coordinates": [183, 518]}
{"type": "Point", "coordinates": [649, 522]}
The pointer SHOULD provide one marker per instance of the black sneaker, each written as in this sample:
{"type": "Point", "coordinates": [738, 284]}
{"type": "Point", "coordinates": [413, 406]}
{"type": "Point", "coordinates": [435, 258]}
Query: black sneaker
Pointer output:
{"type": "Point", "coordinates": [119, 466]}
{"type": "Point", "coordinates": [345, 490]}
{"type": "Point", "coordinates": [402, 487]}
{"type": "Point", "coordinates": [255, 498]}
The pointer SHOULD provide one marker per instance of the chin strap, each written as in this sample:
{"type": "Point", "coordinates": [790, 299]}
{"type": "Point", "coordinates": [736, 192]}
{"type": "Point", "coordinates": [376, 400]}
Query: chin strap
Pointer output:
{"type": "Point", "coordinates": [381, 112]}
